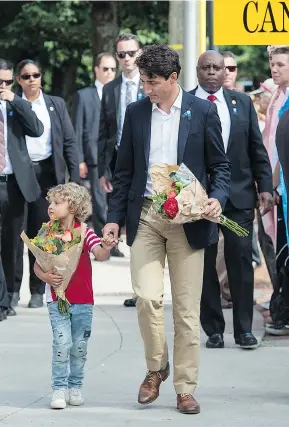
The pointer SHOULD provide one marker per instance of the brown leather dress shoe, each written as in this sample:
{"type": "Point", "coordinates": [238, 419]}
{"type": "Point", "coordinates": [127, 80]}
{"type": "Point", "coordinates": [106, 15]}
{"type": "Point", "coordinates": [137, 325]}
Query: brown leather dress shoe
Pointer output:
{"type": "Point", "coordinates": [186, 404]}
{"type": "Point", "coordinates": [149, 390]}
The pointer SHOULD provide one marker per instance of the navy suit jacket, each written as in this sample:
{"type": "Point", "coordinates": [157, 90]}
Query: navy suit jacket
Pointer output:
{"type": "Point", "coordinates": [200, 147]}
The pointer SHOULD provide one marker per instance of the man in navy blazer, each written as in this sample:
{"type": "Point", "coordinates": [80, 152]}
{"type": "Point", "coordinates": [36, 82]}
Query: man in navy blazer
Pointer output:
{"type": "Point", "coordinates": [169, 126]}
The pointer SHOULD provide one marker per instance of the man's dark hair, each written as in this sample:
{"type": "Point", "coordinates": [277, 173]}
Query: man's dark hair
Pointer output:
{"type": "Point", "coordinates": [6, 65]}
{"type": "Point", "coordinates": [23, 64]}
{"type": "Point", "coordinates": [280, 51]}
{"type": "Point", "coordinates": [126, 37]}
{"type": "Point", "coordinates": [159, 60]}
{"type": "Point", "coordinates": [98, 58]}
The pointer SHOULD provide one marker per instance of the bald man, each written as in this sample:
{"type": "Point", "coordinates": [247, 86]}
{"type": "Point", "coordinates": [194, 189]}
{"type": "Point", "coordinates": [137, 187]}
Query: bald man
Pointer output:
{"type": "Point", "coordinates": [249, 165]}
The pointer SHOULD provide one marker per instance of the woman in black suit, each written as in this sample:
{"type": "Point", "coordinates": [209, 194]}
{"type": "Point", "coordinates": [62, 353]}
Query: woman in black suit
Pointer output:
{"type": "Point", "coordinates": [50, 154]}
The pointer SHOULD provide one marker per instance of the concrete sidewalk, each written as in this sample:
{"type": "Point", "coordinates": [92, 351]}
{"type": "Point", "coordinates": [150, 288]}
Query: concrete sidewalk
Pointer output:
{"type": "Point", "coordinates": [237, 388]}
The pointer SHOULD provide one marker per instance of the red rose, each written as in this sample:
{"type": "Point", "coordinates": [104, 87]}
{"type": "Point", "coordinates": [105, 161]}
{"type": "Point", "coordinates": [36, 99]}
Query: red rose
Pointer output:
{"type": "Point", "coordinates": [171, 207]}
{"type": "Point", "coordinates": [173, 184]}
{"type": "Point", "coordinates": [172, 194]}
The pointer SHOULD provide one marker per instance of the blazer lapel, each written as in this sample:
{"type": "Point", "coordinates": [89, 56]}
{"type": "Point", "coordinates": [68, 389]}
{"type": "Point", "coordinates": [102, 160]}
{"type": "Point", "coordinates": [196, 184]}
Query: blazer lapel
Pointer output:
{"type": "Point", "coordinates": [117, 89]}
{"type": "Point", "coordinates": [233, 110]}
{"type": "Point", "coordinates": [185, 124]}
{"type": "Point", "coordinates": [146, 119]}
{"type": "Point", "coordinates": [95, 95]}
{"type": "Point", "coordinates": [51, 111]}
{"type": "Point", "coordinates": [10, 116]}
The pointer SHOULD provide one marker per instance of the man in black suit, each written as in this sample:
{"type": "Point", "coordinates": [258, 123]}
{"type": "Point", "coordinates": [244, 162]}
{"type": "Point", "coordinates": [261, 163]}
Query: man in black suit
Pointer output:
{"type": "Point", "coordinates": [86, 123]}
{"type": "Point", "coordinates": [18, 182]}
{"type": "Point", "coordinates": [117, 94]}
{"type": "Point", "coordinates": [249, 165]}
{"type": "Point", "coordinates": [169, 126]}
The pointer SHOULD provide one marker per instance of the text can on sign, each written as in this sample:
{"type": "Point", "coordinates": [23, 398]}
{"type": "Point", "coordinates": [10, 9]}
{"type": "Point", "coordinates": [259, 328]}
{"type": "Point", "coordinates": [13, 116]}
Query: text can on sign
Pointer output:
{"type": "Point", "coordinates": [251, 22]}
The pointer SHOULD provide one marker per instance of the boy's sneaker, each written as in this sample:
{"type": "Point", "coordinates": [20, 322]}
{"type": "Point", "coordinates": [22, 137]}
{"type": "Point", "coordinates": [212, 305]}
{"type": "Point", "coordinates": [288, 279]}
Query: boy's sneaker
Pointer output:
{"type": "Point", "coordinates": [59, 398]}
{"type": "Point", "coordinates": [75, 397]}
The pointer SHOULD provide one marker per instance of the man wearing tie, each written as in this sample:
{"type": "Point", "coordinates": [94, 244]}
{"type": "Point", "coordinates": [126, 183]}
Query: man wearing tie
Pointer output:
{"type": "Point", "coordinates": [87, 115]}
{"type": "Point", "coordinates": [249, 165]}
{"type": "Point", "coordinates": [18, 181]}
{"type": "Point", "coordinates": [117, 95]}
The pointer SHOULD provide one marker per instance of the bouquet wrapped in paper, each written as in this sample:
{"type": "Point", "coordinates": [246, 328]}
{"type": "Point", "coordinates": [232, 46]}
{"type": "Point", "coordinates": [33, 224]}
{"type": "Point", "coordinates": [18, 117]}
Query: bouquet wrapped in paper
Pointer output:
{"type": "Point", "coordinates": [178, 197]}
{"type": "Point", "coordinates": [55, 247]}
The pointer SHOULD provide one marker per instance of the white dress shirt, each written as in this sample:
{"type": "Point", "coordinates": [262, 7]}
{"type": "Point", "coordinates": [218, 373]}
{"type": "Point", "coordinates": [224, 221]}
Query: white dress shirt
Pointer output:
{"type": "Point", "coordinates": [8, 168]}
{"type": "Point", "coordinates": [99, 87]}
{"type": "Point", "coordinates": [40, 148]}
{"type": "Point", "coordinates": [164, 137]}
{"type": "Point", "coordinates": [223, 112]}
{"type": "Point", "coordinates": [134, 89]}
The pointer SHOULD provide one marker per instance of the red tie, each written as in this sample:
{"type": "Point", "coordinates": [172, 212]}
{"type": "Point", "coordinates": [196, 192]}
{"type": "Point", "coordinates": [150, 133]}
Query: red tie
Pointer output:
{"type": "Point", "coordinates": [212, 98]}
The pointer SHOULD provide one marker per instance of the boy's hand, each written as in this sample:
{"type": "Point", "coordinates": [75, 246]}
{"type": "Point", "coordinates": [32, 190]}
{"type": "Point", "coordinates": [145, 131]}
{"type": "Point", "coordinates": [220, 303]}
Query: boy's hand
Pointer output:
{"type": "Point", "coordinates": [53, 278]}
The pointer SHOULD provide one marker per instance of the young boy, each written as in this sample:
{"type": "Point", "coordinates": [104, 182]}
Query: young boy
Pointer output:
{"type": "Point", "coordinates": [70, 203]}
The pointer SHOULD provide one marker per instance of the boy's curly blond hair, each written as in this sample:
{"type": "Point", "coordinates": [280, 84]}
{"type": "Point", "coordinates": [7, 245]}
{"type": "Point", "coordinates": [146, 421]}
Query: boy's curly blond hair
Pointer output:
{"type": "Point", "coordinates": [78, 198]}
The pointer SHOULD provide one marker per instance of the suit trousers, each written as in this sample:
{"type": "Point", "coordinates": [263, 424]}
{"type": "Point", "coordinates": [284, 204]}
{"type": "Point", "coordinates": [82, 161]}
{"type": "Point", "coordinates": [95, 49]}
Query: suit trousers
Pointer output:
{"type": "Point", "coordinates": [98, 198]}
{"type": "Point", "coordinates": [238, 259]}
{"type": "Point", "coordinates": [12, 205]}
{"type": "Point", "coordinates": [154, 241]}
{"type": "Point", "coordinates": [37, 213]}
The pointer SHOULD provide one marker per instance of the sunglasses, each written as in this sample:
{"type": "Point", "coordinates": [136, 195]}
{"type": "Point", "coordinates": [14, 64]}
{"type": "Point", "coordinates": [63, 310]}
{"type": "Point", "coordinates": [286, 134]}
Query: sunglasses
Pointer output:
{"type": "Point", "coordinates": [27, 76]}
{"type": "Point", "coordinates": [7, 82]}
{"type": "Point", "coordinates": [113, 69]}
{"type": "Point", "coordinates": [231, 68]}
{"type": "Point", "coordinates": [130, 53]}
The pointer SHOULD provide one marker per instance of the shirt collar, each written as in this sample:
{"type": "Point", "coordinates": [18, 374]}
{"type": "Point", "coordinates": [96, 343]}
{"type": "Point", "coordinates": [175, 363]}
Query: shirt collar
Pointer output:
{"type": "Point", "coordinates": [135, 79]}
{"type": "Point", "coordinates": [219, 94]}
{"type": "Point", "coordinates": [98, 84]}
{"type": "Point", "coordinates": [39, 100]}
{"type": "Point", "coordinates": [176, 104]}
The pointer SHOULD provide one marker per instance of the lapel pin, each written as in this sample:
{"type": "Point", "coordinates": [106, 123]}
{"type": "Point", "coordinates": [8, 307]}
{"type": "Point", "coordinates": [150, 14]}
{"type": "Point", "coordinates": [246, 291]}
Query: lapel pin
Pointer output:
{"type": "Point", "coordinates": [51, 108]}
{"type": "Point", "coordinates": [10, 113]}
{"type": "Point", "coordinates": [187, 114]}
{"type": "Point", "coordinates": [234, 102]}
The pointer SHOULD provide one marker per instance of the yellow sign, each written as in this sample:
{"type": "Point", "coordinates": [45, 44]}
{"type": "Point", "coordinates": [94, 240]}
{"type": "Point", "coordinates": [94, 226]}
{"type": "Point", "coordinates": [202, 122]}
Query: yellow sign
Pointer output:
{"type": "Point", "coordinates": [251, 22]}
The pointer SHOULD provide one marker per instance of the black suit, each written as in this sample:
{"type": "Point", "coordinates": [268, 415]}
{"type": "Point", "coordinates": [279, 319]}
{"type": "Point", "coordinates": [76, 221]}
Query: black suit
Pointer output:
{"type": "Point", "coordinates": [200, 147]}
{"type": "Point", "coordinates": [49, 173]}
{"type": "Point", "coordinates": [109, 125]}
{"type": "Point", "coordinates": [86, 123]}
{"type": "Point", "coordinates": [249, 165]}
{"type": "Point", "coordinates": [18, 187]}
{"type": "Point", "coordinates": [283, 150]}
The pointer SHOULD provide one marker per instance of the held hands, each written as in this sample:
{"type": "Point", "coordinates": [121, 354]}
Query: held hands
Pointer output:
{"type": "Point", "coordinates": [110, 235]}
{"type": "Point", "coordinates": [53, 278]}
{"type": "Point", "coordinates": [105, 184]}
{"type": "Point", "coordinates": [212, 209]}
{"type": "Point", "coordinates": [266, 203]}
{"type": "Point", "coordinates": [6, 95]}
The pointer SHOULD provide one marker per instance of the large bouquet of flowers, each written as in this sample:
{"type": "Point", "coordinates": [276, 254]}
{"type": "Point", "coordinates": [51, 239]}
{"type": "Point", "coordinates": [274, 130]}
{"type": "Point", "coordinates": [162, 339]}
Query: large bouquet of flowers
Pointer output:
{"type": "Point", "coordinates": [178, 198]}
{"type": "Point", "coordinates": [55, 247]}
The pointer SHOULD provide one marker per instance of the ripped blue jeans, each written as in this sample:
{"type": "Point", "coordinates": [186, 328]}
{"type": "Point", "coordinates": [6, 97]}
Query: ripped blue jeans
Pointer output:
{"type": "Point", "coordinates": [71, 332]}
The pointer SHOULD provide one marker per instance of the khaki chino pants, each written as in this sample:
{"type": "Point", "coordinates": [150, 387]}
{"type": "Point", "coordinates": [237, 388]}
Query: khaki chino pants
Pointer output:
{"type": "Point", "coordinates": [154, 241]}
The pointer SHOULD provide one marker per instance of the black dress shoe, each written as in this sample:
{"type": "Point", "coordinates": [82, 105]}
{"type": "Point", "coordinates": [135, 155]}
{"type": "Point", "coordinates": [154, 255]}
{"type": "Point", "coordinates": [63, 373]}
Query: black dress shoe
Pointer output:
{"type": "Point", "coordinates": [247, 341]}
{"type": "Point", "coordinates": [116, 253]}
{"type": "Point", "coordinates": [15, 299]}
{"type": "Point", "coordinates": [131, 302]}
{"type": "Point", "coordinates": [36, 301]}
{"type": "Point", "coordinates": [11, 312]}
{"type": "Point", "coordinates": [215, 341]}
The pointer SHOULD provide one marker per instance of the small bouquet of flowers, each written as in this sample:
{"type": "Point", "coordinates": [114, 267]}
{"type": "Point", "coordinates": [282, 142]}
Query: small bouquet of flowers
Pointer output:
{"type": "Point", "coordinates": [179, 198]}
{"type": "Point", "coordinates": [55, 247]}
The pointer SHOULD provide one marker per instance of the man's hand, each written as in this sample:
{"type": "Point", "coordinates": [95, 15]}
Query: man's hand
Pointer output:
{"type": "Point", "coordinates": [212, 209]}
{"type": "Point", "coordinates": [52, 278]}
{"type": "Point", "coordinates": [83, 170]}
{"type": "Point", "coordinates": [6, 95]}
{"type": "Point", "coordinates": [266, 203]}
{"type": "Point", "coordinates": [105, 184]}
{"type": "Point", "coordinates": [110, 233]}
{"type": "Point", "coordinates": [276, 198]}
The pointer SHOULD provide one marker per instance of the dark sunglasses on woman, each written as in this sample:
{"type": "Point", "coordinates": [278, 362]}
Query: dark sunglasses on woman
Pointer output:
{"type": "Point", "coordinates": [27, 76]}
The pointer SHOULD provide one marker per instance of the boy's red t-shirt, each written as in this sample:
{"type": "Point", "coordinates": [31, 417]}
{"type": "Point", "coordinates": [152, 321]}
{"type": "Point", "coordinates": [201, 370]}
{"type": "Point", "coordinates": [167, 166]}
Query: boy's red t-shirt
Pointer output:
{"type": "Point", "coordinates": [79, 289]}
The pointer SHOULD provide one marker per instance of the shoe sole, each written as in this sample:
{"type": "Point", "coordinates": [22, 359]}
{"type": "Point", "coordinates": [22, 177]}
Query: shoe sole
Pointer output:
{"type": "Point", "coordinates": [75, 404]}
{"type": "Point", "coordinates": [189, 412]}
{"type": "Point", "coordinates": [248, 347]}
{"type": "Point", "coordinates": [215, 346]}
{"type": "Point", "coordinates": [57, 406]}
{"type": "Point", "coordinates": [155, 398]}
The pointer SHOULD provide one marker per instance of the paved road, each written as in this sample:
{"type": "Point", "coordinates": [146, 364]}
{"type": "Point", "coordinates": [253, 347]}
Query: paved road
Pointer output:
{"type": "Point", "coordinates": [237, 388]}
